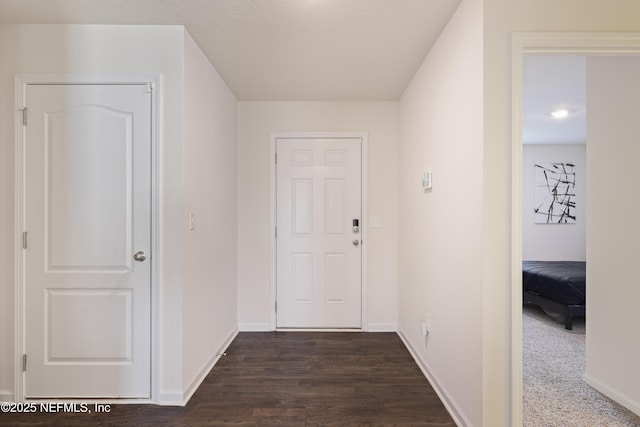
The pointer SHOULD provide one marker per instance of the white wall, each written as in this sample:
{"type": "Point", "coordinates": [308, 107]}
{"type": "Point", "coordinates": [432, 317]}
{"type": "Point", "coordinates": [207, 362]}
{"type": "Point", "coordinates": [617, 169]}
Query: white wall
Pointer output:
{"type": "Point", "coordinates": [256, 121]}
{"type": "Point", "coordinates": [553, 242]}
{"type": "Point", "coordinates": [210, 175]}
{"type": "Point", "coordinates": [186, 282]}
{"type": "Point", "coordinates": [6, 214]}
{"type": "Point", "coordinates": [613, 126]}
{"type": "Point", "coordinates": [501, 18]}
{"type": "Point", "coordinates": [441, 229]}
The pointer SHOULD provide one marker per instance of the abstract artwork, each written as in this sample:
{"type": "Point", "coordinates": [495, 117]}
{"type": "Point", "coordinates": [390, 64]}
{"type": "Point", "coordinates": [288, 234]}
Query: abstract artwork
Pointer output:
{"type": "Point", "coordinates": [555, 195]}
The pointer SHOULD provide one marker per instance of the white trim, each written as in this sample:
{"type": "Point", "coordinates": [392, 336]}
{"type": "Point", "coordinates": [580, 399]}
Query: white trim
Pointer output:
{"type": "Point", "coordinates": [156, 236]}
{"type": "Point", "coordinates": [516, 241]}
{"type": "Point", "coordinates": [21, 82]}
{"type": "Point", "coordinates": [319, 330]}
{"type": "Point", "coordinates": [365, 231]}
{"type": "Point", "coordinates": [272, 226]}
{"type": "Point", "coordinates": [125, 401]}
{"type": "Point", "coordinates": [188, 393]}
{"type": "Point", "coordinates": [450, 405]}
{"type": "Point", "coordinates": [621, 398]}
{"type": "Point", "coordinates": [614, 44]}
{"type": "Point", "coordinates": [364, 137]}
{"type": "Point", "coordinates": [96, 79]}
{"type": "Point", "coordinates": [383, 327]}
{"type": "Point", "coordinates": [255, 327]}
{"type": "Point", "coordinates": [170, 398]}
{"type": "Point", "coordinates": [181, 398]}
{"type": "Point", "coordinates": [19, 174]}
{"type": "Point", "coordinates": [6, 396]}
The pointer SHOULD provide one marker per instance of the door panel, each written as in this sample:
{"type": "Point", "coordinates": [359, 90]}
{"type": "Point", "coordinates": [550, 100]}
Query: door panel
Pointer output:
{"type": "Point", "coordinates": [87, 210]}
{"type": "Point", "coordinates": [107, 314]}
{"type": "Point", "coordinates": [318, 264]}
{"type": "Point", "coordinates": [335, 206]}
{"type": "Point", "coordinates": [302, 209]}
{"type": "Point", "coordinates": [76, 165]}
{"type": "Point", "coordinates": [335, 278]}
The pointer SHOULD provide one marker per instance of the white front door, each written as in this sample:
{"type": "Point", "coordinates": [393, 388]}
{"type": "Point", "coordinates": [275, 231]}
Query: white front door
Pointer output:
{"type": "Point", "coordinates": [319, 255]}
{"type": "Point", "coordinates": [87, 214]}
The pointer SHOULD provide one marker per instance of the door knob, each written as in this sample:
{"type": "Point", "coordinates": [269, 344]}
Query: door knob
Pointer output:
{"type": "Point", "coordinates": [356, 242]}
{"type": "Point", "coordinates": [140, 256]}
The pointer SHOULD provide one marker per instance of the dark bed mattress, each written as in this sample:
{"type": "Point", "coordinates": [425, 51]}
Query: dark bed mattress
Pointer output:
{"type": "Point", "coordinates": [561, 281]}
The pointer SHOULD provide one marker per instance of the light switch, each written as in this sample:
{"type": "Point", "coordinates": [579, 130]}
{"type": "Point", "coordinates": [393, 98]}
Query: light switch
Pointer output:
{"type": "Point", "coordinates": [192, 221]}
{"type": "Point", "coordinates": [427, 181]}
{"type": "Point", "coordinates": [376, 222]}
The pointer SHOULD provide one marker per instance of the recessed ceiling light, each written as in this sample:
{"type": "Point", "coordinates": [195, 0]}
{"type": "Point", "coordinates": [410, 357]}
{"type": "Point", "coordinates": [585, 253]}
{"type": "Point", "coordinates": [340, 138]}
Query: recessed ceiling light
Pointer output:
{"type": "Point", "coordinates": [560, 113]}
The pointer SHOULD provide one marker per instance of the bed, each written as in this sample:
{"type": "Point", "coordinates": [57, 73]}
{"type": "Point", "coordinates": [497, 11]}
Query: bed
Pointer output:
{"type": "Point", "coordinates": [558, 286]}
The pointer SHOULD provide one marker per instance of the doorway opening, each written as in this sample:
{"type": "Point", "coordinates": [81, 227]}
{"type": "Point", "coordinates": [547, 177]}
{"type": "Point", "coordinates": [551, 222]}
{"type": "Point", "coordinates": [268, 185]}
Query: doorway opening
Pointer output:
{"type": "Point", "coordinates": [523, 44]}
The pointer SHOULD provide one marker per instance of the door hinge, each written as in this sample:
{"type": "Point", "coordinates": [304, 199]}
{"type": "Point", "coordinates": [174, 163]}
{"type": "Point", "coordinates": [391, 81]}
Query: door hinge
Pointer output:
{"type": "Point", "coordinates": [24, 116]}
{"type": "Point", "coordinates": [24, 240]}
{"type": "Point", "coordinates": [24, 363]}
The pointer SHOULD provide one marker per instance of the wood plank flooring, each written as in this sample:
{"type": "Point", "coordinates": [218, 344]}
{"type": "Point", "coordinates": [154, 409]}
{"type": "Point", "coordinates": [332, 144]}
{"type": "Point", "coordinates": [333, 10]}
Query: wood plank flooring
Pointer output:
{"type": "Point", "coordinates": [290, 379]}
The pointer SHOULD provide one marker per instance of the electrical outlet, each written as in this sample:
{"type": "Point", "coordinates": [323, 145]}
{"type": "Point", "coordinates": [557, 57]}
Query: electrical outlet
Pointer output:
{"type": "Point", "coordinates": [425, 326]}
{"type": "Point", "coordinates": [424, 329]}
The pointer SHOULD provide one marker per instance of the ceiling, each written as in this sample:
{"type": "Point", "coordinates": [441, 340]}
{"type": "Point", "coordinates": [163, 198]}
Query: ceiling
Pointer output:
{"type": "Point", "coordinates": [551, 82]}
{"type": "Point", "coordinates": [280, 50]}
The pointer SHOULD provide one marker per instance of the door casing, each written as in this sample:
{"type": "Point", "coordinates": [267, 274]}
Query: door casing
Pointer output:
{"type": "Point", "coordinates": [21, 83]}
{"type": "Point", "coordinates": [363, 136]}
{"type": "Point", "coordinates": [612, 44]}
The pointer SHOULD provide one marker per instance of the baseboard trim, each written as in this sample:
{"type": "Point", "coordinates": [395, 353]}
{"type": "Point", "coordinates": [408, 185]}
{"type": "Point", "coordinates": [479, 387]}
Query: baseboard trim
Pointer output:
{"type": "Point", "coordinates": [181, 398]}
{"type": "Point", "coordinates": [612, 394]}
{"type": "Point", "coordinates": [449, 404]}
{"type": "Point", "coordinates": [383, 327]}
{"type": "Point", "coordinates": [7, 396]}
{"type": "Point", "coordinates": [255, 327]}
{"type": "Point", "coordinates": [266, 327]}
{"type": "Point", "coordinates": [170, 398]}
{"type": "Point", "coordinates": [209, 366]}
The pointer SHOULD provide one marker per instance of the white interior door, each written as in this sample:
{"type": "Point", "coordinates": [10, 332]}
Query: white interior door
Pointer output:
{"type": "Point", "coordinates": [87, 214]}
{"type": "Point", "coordinates": [319, 255]}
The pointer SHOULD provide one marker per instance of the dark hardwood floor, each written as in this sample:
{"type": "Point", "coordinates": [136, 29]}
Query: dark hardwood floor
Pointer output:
{"type": "Point", "coordinates": [290, 379]}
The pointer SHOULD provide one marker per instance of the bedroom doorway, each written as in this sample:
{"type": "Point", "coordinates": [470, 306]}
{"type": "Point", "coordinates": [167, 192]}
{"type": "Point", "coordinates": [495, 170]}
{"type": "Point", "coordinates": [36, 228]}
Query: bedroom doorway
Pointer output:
{"type": "Point", "coordinates": [602, 46]}
{"type": "Point", "coordinates": [554, 137]}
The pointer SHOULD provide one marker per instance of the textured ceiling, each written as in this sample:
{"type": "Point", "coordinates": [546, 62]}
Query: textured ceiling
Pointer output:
{"type": "Point", "coordinates": [303, 50]}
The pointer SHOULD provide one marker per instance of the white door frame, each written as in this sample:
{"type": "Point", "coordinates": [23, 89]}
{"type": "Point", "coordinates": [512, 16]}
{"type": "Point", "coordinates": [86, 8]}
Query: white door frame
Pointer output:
{"type": "Point", "coordinates": [21, 83]}
{"type": "Point", "coordinates": [611, 44]}
{"type": "Point", "coordinates": [363, 136]}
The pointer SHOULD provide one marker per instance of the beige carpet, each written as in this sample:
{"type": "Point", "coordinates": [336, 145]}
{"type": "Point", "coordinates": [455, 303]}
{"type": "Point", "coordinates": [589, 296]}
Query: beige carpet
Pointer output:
{"type": "Point", "coordinates": [554, 393]}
